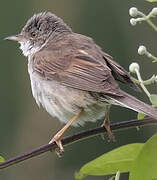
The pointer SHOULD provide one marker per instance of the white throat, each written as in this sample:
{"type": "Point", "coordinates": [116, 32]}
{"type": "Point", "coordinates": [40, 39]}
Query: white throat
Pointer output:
{"type": "Point", "coordinates": [28, 49]}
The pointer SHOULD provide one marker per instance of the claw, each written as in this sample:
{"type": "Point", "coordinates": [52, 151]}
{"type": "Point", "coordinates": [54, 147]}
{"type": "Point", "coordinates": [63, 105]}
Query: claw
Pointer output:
{"type": "Point", "coordinates": [59, 144]}
{"type": "Point", "coordinates": [57, 137]}
{"type": "Point", "coordinates": [109, 132]}
{"type": "Point", "coordinates": [106, 124]}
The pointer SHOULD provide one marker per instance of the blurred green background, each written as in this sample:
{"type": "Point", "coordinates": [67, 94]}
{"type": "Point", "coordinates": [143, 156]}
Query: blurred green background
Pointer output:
{"type": "Point", "coordinates": [23, 126]}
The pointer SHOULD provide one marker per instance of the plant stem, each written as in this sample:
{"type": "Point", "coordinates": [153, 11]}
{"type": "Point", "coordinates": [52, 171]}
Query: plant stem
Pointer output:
{"type": "Point", "coordinates": [76, 137]}
{"type": "Point", "coordinates": [146, 82]}
{"type": "Point", "coordinates": [141, 83]}
{"type": "Point", "coordinates": [147, 19]}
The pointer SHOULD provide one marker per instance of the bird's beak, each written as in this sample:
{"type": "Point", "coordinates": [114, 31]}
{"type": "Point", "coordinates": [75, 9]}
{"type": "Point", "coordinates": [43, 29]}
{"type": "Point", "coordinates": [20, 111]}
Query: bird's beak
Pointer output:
{"type": "Point", "coordinates": [18, 37]}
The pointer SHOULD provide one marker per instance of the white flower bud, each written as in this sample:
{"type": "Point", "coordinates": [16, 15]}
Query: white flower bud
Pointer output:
{"type": "Point", "coordinates": [142, 50]}
{"type": "Point", "coordinates": [154, 11]}
{"type": "Point", "coordinates": [133, 66]}
{"type": "Point", "coordinates": [133, 21]}
{"type": "Point", "coordinates": [133, 11]}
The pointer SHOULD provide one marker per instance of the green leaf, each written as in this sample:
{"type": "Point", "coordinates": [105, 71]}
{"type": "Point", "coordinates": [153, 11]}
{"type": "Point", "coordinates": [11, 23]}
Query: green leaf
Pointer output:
{"type": "Point", "coordinates": [153, 99]}
{"type": "Point", "coordinates": [151, 0]}
{"type": "Point", "coordinates": [140, 116]}
{"type": "Point", "coordinates": [79, 175]}
{"type": "Point", "coordinates": [1, 159]}
{"type": "Point", "coordinates": [145, 166]}
{"type": "Point", "coordinates": [120, 159]}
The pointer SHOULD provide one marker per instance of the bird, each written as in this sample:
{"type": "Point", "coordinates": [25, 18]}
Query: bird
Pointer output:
{"type": "Point", "coordinates": [71, 76]}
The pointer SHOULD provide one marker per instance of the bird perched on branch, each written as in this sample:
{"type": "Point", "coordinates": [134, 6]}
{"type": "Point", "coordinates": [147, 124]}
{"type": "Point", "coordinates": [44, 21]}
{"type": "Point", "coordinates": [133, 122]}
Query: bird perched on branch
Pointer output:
{"type": "Point", "coordinates": [71, 77]}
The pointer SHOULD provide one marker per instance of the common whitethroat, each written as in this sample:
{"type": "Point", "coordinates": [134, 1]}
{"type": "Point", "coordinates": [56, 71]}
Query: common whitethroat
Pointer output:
{"type": "Point", "coordinates": [71, 77]}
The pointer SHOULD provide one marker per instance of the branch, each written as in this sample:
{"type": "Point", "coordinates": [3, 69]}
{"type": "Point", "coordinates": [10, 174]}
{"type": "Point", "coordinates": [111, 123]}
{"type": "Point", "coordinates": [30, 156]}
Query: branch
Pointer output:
{"type": "Point", "coordinates": [76, 137]}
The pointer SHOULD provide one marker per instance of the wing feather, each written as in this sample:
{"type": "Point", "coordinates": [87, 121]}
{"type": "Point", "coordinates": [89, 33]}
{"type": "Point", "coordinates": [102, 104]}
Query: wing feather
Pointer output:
{"type": "Point", "coordinates": [81, 72]}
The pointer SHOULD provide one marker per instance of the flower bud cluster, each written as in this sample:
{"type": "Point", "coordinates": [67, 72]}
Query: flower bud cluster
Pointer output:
{"type": "Point", "coordinates": [134, 12]}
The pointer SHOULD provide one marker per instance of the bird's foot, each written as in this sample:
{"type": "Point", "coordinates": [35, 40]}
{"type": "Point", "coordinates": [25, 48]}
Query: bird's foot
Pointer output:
{"type": "Point", "coordinates": [60, 150]}
{"type": "Point", "coordinates": [110, 134]}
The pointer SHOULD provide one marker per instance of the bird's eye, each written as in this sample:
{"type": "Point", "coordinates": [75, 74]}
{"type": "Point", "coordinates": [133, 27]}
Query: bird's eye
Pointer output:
{"type": "Point", "coordinates": [33, 34]}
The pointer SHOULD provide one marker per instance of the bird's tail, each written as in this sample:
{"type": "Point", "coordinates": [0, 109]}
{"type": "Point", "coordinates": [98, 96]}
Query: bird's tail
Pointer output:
{"type": "Point", "coordinates": [131, 102]}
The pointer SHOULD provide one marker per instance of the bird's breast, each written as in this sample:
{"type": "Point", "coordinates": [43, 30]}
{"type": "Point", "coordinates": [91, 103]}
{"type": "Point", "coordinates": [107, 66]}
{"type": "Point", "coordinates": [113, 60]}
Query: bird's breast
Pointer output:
{"type": "Point", "coordinates": [64, 102]}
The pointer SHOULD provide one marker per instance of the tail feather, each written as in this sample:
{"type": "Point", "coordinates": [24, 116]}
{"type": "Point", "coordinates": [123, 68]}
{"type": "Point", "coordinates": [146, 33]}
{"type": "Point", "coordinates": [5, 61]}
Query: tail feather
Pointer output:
{"type": "Point", "coordinates": [133, 103]}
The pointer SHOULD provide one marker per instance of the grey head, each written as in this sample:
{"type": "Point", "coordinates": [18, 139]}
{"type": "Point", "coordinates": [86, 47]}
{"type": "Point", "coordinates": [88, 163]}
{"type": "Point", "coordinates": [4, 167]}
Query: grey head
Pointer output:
{"type": "Point", "coordinates": [38, 30]}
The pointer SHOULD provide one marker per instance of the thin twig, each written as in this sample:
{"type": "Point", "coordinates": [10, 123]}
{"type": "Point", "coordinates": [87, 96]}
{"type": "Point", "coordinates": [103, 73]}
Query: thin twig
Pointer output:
{"type": "Point", "coordinates": [76, 137]}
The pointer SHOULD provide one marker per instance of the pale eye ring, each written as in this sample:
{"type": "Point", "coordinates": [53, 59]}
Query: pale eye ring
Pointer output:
{"type": "Point", "coordinates": [33, 34]}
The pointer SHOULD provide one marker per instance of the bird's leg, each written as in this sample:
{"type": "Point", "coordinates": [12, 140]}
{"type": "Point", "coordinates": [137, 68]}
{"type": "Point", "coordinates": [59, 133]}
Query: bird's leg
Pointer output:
{"type": "Point", "coordinates": [106, 124]}
{"type": "Point", "coordinates": [57, 137]}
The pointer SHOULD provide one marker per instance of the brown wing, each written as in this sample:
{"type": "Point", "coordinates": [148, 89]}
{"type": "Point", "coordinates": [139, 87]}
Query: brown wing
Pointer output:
{"type": "Point", "coordinates": [119, 73]}
{"type": "Point", "coordinates": [80, 71]}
